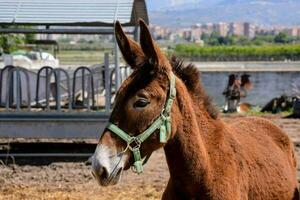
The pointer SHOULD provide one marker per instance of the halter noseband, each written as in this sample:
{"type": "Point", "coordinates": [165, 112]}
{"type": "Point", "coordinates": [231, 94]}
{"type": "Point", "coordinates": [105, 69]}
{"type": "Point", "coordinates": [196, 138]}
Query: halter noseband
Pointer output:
{"type": "Point", "coordinates": [163, 123]}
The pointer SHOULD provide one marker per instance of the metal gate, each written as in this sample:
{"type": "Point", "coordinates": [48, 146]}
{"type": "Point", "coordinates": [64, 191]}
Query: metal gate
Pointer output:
{"type": "Point", "coordinates": [56, 103]}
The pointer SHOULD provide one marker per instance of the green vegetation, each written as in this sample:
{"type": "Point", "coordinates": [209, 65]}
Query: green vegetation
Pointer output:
{"type": "Point", "coordinates": [86, 46]}
{"type": "Point", "coordinates": [239, 53]}
{"type": "Point", "coordinates": [73, 57]}
{"type": "Point", "coordinates": [10, 42]}
{"type": "Point", "coordinates": [256, 111]}
{"type": "Point", "coordinates": [215, 39]}
{"type": "Point", "coordinates": [278, 47]}
{"type": "Point", "coordinates": [83, 52]}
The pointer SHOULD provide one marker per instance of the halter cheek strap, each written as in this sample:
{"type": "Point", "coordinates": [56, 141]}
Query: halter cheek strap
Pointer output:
{"type": "Point", "coordinates": [163, 123]}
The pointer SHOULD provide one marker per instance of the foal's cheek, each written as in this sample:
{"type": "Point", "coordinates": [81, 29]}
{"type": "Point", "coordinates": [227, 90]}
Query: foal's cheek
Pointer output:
{"type": "Point", "coordinates": [106, 139]}
{"type": "Point", "coordinates": [129, 161]}
{"type": "Point", "coordinates": [128, 164]}
{"type": "Point", "coordinates": [110, 140]}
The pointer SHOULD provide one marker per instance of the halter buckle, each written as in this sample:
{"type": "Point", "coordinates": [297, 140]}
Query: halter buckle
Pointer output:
{"type": "Point", "coordinates": [134, 144]}
{"type": "Point", "coordinates": [164, 115]}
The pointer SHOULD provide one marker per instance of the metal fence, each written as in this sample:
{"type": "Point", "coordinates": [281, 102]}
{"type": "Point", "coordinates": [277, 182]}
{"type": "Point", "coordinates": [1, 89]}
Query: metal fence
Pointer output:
{"type": "Point", "coordinates": [60, 90]}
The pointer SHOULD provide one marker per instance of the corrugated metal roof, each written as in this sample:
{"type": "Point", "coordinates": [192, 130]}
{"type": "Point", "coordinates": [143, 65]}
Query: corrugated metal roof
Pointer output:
{"type": "Point", "coordinates": [72, 12]}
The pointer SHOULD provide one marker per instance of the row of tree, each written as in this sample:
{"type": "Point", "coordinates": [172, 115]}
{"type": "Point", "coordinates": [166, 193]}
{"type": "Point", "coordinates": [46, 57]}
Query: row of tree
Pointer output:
{"type": "Point", "coordinates": [215, 39]}
{"type": "Point", "coordinates": [239, 53]}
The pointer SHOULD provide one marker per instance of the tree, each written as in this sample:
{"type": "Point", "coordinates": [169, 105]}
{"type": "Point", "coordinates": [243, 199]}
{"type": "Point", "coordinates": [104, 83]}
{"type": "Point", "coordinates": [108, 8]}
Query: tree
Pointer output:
{"type": "Point", "coordinates": [29, 38]}
{"type": "Point", "coordinates": [205, 37]}
{"type": "Point", "coordinates": [281, 38]}
{"type": "Point", "coordinates": [10, 42]}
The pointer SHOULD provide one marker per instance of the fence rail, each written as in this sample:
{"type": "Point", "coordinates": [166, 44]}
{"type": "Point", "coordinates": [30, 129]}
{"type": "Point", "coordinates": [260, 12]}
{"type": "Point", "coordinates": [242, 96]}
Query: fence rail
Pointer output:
{"type": "Point", "coordinates": [56, 89]}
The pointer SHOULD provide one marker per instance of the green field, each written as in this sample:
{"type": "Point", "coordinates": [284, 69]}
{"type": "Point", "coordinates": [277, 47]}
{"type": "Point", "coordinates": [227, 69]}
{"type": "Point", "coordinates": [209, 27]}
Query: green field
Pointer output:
{"type": "Point", "coordinates": [195, 53]}
{"type": "Point", "coordinates": [239, 53]}
{"type": "Point", "coordinates": [74, 57]}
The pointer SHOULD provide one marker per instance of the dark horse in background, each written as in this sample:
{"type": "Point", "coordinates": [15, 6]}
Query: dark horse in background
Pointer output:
{"type": "Point", "coordinates": [250, 158]}
{"type": "Point", "coordinates": [237, 89]}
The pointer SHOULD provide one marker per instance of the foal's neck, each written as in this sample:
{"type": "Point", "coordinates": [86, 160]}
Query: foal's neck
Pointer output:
{"type": "Point", "coordinates": [186, 152]}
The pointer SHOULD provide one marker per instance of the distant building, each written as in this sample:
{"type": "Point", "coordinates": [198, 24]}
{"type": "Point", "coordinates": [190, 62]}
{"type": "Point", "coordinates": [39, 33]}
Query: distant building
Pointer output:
{"type": "Point", "coordinates": [187, 34]}
{"type": "Point", "coordinates": [249, 30]}
{"type": "Point", "coordinates": [207, 28]}
{"type": "Point", "coordinates": [159, 32]}
{"type": "Point", "coordinates": [221, 28]}
{"type": "Point", "coordinates": [194, 33]}
{"type": "Point", "coordinates": [294, 31]}
{"type": "Point", "coordinates": [236, 29]}
{"type": "Point", "coordinates": [176, 35]}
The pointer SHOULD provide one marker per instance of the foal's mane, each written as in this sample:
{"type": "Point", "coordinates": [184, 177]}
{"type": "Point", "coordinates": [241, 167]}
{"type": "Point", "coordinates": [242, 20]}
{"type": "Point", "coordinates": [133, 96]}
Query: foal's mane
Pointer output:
{"type": "Point", "coordinates": [190, 75]}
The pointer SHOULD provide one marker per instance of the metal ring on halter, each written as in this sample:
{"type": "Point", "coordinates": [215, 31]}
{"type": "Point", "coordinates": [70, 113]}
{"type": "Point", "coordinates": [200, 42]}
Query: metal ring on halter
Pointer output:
{"type": "Point", "coordinates": [121, 152]}
{"type": "Point", "coordinates": [137, 144]}
{"type": "Point", "coordinates": [163, 114]}
{"type": "Point", "coordinates": [127, 147]}
{"type": "Point", "coordinates": [133, 169]}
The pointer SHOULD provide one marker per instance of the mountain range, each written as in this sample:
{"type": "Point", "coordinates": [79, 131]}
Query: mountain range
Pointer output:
{"type": "Point", "coordinates": [182, 13]}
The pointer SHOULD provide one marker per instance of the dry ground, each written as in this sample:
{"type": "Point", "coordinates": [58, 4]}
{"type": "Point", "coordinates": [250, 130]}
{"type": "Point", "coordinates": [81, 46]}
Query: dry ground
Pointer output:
{"type": "Point", "coordinates": [74, 181]}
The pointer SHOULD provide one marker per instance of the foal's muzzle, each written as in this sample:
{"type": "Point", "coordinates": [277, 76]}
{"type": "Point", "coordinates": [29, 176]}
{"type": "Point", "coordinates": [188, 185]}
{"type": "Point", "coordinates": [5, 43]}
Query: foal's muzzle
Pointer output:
{"type": "Point", "coordinates": [105, 178]}
{"type": "Point", "coordinates": [107, 167]}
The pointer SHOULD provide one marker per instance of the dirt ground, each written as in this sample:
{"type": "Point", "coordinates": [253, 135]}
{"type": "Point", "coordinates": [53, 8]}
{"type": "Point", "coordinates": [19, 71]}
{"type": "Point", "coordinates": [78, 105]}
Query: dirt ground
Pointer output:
{"type": "Point", "coordinates": [74, 180]}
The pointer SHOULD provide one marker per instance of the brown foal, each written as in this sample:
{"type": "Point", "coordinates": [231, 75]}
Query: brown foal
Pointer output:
{"type": "Point", "coordinates": [250, 158]}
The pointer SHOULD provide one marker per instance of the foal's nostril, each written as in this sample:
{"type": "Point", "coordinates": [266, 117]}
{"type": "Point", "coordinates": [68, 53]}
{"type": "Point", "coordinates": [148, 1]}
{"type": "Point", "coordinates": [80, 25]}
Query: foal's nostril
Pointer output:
{"type": "Point", "coordinates": [99, 171]}
{"type": "Point", "coordinates": [103, 173]}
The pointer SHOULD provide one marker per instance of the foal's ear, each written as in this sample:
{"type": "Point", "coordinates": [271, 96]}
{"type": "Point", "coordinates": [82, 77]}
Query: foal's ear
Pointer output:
{"type": "Point", "coordinates": [130, 50]}
{"type": "Point", "coordinates": [149, 46]}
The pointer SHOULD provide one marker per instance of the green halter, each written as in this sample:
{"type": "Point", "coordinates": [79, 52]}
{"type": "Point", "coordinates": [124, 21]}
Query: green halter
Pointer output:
{"type": "Point", "coordinates": [163, 123]}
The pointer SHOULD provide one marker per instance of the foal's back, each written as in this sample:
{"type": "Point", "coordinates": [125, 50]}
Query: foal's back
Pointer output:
{"type": "Point", "coordinates": [269, 163]}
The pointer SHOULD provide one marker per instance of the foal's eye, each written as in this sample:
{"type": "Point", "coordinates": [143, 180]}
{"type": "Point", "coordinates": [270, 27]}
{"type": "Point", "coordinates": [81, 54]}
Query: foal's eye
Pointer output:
{"type": "Point", "coordinates": [141, 103]}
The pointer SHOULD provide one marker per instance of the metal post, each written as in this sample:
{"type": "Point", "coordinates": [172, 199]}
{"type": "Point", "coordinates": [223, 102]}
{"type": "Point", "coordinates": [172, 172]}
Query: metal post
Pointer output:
{"type": "Point", "coordinates": [28, 89]}
{"type": "Point", "coordinates": [107, 83]}
{"type": "Point", "coordinates": [58, 72]}
{"type": "Point", "coordinates": [89, 85]}
{"type": "Point", "coordinates": [83, 85]}
{"type": "Point", "coordinates": [8, 90]}
{"type": "Point", "coordinates": [136, 33]}
{"type": "Point", "coordinates": [117, 65]}
{"type": "Point", "coordinates": [18, 95]}
{"type": "Point", "coordinates": [11, 88]}
{"type": "Point", "coordinates": [49, 36]}
{"type": "Point", "coordinates": [58, 92]}
{"type": "Point", "coordinates": [3, 71]}
{"type": "Point", "coordinates": [48, 79]}
{"type": "Point", "coordinates": [69, 91]}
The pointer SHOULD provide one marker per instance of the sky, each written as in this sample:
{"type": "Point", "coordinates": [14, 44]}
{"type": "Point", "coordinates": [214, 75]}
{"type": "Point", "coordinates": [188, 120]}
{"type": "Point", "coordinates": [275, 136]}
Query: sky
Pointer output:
{"type": "Point", "coordinates": [159, 4]}
{"type": "Point", "coordinates": [267, 12]}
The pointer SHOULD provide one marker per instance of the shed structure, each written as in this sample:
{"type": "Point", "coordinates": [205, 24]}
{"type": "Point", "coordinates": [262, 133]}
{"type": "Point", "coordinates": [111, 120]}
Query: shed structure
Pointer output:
{"type": "Point", "coordinates": [65, 17]}
{"type": "Point", "coordinates": [72, 17]}
{"type": "Point", "coordinates": [92, 13]}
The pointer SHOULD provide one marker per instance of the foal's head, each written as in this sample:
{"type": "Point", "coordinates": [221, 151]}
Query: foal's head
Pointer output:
{"type": "Point", "coordinates": [139, 102]}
